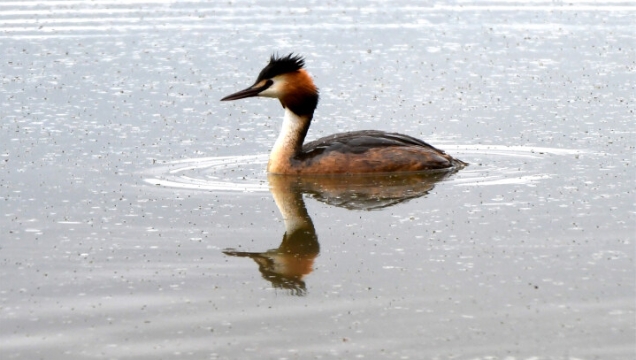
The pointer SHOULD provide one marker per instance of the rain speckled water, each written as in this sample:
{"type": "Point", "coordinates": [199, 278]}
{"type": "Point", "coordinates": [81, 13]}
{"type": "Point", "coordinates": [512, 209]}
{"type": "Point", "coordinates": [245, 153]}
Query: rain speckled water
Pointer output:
{"type": "Point", "coordinates": [138, 221]}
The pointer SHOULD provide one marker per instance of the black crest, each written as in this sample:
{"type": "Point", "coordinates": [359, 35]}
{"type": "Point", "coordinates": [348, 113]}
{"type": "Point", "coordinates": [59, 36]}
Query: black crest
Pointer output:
{"type": "Point", "coordinates": [281, 65]}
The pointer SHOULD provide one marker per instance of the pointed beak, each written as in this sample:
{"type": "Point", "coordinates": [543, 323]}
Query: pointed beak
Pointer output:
{"type": "Point", "coordinates": [251, 91]}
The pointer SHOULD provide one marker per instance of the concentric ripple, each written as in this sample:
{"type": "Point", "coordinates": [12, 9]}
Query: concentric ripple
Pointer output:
{"type": "Point", "coordinates": [225, 173]}
{"type": "Point", "coordinates": [506, 165]}
{"type": "Point", "coordinates": [490, 165]}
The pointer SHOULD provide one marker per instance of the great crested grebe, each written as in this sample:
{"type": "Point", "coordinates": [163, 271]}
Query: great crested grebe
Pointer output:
{"type": "Point", "coordinates": [356, 152]}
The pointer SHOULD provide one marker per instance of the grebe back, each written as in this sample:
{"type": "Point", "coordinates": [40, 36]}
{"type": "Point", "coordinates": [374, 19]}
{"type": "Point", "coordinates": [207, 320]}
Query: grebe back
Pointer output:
{"type": "Point", "coordinates": [356, 152]}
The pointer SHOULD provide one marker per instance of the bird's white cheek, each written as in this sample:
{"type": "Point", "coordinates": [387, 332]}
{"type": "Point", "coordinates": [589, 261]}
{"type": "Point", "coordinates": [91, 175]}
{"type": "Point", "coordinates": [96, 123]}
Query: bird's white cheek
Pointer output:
{"type": "Point", "coordinates": [273, 91]}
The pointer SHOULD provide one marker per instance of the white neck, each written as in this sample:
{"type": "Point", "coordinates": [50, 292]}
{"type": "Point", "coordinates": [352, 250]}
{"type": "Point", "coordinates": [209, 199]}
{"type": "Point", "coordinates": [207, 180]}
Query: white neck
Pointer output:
{"type": "Point", "coordinates": [291, 207]}
{"type": "Point", "coordinates": [288, 141]}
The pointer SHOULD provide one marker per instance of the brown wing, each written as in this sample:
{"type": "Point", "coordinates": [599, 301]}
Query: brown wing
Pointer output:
{"type": "Point", "coordinates": [371, 151]}
{"type": "Point", "coordinates": [361, 141]}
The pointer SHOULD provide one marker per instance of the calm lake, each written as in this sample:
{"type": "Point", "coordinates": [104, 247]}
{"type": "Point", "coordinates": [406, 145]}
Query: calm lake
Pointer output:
{"type": "Point", "coordinates": [138, 221]}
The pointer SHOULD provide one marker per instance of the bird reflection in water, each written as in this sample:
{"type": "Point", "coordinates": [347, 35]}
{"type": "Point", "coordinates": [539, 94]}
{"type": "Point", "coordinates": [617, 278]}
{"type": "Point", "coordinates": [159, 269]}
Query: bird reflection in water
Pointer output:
{"type": "Point", "coordinates": [286, 266]}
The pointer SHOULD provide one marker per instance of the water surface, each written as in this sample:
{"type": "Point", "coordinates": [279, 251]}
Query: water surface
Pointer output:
{"type": "Point", "coordinates": [138, 220]}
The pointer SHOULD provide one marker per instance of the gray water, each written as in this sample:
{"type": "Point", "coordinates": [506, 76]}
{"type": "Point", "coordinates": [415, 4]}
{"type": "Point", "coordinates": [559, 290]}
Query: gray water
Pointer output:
{"type": "Point", "coordinates": [138, 221]}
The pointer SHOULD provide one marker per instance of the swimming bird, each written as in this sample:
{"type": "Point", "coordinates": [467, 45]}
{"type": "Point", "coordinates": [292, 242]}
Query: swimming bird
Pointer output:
{"type": "Point", "coordinates": [356, 152]}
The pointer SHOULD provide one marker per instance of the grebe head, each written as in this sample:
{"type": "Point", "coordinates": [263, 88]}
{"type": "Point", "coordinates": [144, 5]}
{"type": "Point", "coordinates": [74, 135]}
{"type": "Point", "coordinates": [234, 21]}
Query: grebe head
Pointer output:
{"type": "Point", "coordinates": [286, 79]}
